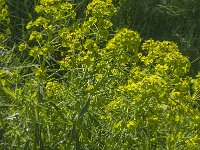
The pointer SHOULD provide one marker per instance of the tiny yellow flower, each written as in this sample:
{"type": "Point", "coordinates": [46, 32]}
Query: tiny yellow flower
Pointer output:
{"type": "Point", "coordinates": [131, 124]}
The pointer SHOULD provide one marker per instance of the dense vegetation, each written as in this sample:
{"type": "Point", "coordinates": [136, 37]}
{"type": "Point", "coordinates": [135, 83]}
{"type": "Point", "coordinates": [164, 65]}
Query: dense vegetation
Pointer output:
{"type": "Point", "coordinates": [165, 20]}
{"type": "Point", "coordinates": [73, 76]}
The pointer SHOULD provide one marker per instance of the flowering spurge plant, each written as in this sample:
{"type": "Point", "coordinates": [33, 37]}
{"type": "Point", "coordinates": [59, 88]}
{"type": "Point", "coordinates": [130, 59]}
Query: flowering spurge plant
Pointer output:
{"type": "Point", "coordinates": [4, 21]}
{"type": "Point", "coordinates": [4, 36]}
{"type": "Point", "coordinates": [87, 88]}
{"type": "Point", "coordinates": [4, 30]}
{"type": "Point", "coordinates": [157, 105]}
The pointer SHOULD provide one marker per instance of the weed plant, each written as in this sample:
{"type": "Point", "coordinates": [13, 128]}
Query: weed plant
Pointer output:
{"type": "Point", "coordinates": [74, 83]}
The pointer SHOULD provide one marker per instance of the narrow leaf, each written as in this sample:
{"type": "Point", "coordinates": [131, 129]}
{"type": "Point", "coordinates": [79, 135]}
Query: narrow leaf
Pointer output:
{"type": "Point", "coordinates": [9, 92]}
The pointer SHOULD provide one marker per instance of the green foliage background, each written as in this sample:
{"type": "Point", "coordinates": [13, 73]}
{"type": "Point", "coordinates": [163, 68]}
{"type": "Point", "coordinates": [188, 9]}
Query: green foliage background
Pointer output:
{"type": "Point", "coordinates": [73, 75]}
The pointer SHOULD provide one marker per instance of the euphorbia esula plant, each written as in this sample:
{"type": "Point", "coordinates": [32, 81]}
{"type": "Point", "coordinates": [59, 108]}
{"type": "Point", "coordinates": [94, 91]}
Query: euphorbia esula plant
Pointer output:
{"type": "Point", "coordinates": [85, 86]}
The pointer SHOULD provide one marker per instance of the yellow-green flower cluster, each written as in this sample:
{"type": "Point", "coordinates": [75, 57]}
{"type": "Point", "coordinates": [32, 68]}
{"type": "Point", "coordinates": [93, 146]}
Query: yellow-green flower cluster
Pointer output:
{"type": "Point", "coordinates": [124, 46]}
{"type": "Point", "coordinates": [125, 40]}
{"type": "Point", "coordinates": [54, 89]}
{"type": "Point", "coordinates": [85, 50]}
{"type": "Point", "coordinates": [71, 39]}
{"type": "Point", "coordinates": [3, 73]}
{"type": "Point", "coordinates": [40, 73]}
{"type": "Point", "coordinates": [22, 46]}
{"type": "Point", "coordinates": [196, 87]}
{"type": "Point", "coordinates": [152, 86]}
{"type": "Point", "coordinates": [4, 20]}
{"type": "Point", "coordinates": [165, 57]}
{"type": "Point", "coordinates": [35, 35]}
{"type": "Point", "coordinates": [49, 28]}
{"type": "Point", "coordinates": [55, 9]}
{"type": "Point", "coordinates": [90, 45]}
{"type": "Point", "coordinates": [99, 13]}
{"type": "Point", "coordinates": [101, 9]}
{"type": "Point", "coordinates": [196, 82]}
{"type": "Point", "coordinates": [51, 12]}
{"type": "Point", "coordinates": [88, 25]}
{"type": "Point", "coordinates": [35, 51]}
{"type": "Point", "coordinates": [39, 22]}
{"type": "Point", "coordinates": [4, 12]}
{"type": "Point", "coordinates": [65, 63]}
{"type": "Point", "coordinates": [114, 105]}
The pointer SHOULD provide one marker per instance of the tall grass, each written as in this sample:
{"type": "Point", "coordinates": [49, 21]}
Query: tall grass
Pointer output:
{"type": "Point", "coordinates": [20, 13]}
